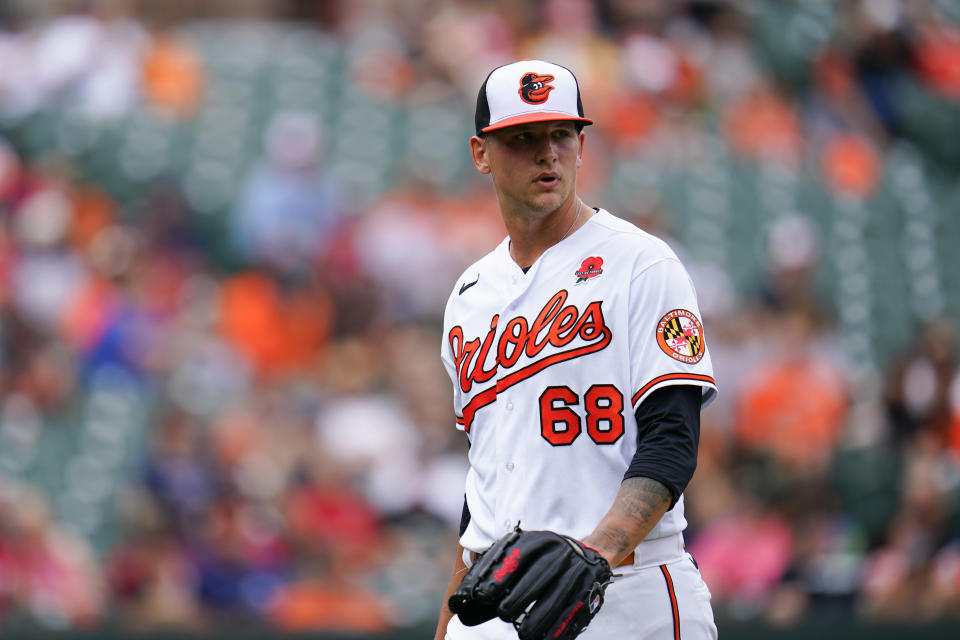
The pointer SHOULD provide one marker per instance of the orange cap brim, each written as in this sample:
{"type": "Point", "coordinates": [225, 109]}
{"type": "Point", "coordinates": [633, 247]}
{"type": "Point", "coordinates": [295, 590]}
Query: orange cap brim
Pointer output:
{"type": "Point", "coordinates": [539, 116]}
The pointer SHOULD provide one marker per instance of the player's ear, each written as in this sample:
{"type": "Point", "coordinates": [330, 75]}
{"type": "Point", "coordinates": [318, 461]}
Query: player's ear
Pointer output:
{"type": "Point", "coordinates": [478, 151]}
{"type": "Point", "coordinates": [582, 136]}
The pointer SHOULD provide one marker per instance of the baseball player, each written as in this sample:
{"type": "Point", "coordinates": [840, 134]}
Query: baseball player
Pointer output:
{"type": "Point", "coordinates": [579, 370]}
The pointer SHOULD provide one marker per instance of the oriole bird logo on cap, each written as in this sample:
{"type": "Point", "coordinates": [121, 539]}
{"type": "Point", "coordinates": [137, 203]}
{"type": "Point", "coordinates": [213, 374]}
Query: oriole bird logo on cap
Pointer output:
{"type": "Point", "coordinates": [534, 88]}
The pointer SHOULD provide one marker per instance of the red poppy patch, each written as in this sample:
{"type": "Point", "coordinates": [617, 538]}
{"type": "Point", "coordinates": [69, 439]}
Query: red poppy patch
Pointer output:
{"type": "Point", "coordinates": [590, 268]}
{"type": "Point", "coordinates": [680, 335]}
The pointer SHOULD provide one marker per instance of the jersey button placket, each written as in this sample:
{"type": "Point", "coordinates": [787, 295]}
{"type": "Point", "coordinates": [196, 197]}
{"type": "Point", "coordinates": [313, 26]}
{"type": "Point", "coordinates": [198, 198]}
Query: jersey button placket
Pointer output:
{"type": "Point", "coordinates": [518, 284]}
{"type": "Point", "coordinates": [508, 407]}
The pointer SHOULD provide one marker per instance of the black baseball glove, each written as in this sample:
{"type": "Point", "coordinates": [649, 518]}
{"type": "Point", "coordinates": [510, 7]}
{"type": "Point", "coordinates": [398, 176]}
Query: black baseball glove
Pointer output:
{"type": "Point", "coordinates": [563, 580]}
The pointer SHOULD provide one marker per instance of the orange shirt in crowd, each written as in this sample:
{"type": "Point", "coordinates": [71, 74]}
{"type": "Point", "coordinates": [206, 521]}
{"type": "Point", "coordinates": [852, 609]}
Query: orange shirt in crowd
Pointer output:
{"type": "Point", "coordinates": [763, 125]}
{"type": "Point", "coordinates": [793, 410]}
{"type": "Point", "coordinates": [850, 165]}
{"type": "Point", "coordinates": [173, 77]}
{"type": "Point", "coordinates": [311, 605]}
{"type": "Point", "coordinates": [276, 332]}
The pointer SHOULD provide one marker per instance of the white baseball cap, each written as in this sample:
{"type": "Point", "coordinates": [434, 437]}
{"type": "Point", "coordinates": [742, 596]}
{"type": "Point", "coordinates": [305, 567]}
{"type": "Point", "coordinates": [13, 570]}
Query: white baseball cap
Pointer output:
{"type": "Point", "coordinates": [528, 91]}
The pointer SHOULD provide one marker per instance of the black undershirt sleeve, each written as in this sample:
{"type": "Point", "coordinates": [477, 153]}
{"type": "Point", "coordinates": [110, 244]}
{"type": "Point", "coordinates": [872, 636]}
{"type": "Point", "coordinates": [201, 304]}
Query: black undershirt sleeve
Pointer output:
{"type": "Point", "coordinates": [464, 517]}
{"type": "Point", "coordinates": [668, 435]}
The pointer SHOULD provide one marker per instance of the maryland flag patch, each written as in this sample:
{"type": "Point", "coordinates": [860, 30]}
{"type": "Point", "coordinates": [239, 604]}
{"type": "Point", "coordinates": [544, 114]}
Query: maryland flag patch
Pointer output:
{"type": "Point", "coordinates": [680, 335]}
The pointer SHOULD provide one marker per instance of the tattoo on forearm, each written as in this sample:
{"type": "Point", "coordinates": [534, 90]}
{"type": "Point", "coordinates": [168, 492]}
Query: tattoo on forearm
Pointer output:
{"type": "Point", "coordinates": [640, 500]}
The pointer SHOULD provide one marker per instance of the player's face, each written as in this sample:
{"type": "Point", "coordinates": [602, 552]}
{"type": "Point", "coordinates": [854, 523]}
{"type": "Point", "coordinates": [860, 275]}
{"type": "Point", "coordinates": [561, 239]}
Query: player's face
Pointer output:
{"type": "Point", "coordinates": [534, 166]}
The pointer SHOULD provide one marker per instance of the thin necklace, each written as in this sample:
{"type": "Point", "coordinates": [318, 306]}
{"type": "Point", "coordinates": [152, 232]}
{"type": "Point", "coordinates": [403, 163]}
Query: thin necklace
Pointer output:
{"type": "Point", "coordinates": [579, 209]}
{"type": "Point", "coordinates": [577, 217]}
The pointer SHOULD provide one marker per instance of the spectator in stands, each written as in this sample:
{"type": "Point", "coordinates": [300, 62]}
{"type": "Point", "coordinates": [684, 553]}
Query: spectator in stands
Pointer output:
{"type": "Point", "coordinates": [797, 429]}
{"type": "Point", "coordinates": [47, 571]}
{"type": "Point", "coordinates": [289, 208]}
{"type": "Point", "coordinates": [922, 385]}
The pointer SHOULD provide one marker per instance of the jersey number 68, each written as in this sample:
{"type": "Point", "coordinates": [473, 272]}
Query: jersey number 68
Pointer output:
{"type": "Point", "coordinates": [560, 425]}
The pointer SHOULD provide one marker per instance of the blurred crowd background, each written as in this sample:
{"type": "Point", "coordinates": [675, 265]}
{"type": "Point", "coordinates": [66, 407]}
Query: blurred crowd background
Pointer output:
{"type": "Point", "coordinates": [228, 229]}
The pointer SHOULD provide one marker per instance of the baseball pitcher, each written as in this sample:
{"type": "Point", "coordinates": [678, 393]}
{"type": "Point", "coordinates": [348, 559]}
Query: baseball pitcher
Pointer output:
{"type": "Point", "coordinates": [579, 370]}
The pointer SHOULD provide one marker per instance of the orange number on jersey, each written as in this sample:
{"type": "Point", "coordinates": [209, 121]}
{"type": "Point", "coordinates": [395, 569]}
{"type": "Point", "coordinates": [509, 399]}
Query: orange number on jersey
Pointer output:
{"type": "Point", "coordinates": [560, 425]}
{"type": "Point", "coordinates": [604, 404]}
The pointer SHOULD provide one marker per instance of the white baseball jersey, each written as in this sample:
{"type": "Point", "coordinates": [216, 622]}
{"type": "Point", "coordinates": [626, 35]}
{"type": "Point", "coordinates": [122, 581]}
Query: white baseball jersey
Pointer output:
{"type": "Point", "coordinates": [548, 367]}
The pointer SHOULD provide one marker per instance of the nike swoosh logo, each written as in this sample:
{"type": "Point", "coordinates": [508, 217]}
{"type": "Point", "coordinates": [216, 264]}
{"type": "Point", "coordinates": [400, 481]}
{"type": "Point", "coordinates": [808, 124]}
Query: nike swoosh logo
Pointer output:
{"type": "Point", "coordinates": [467, 285]}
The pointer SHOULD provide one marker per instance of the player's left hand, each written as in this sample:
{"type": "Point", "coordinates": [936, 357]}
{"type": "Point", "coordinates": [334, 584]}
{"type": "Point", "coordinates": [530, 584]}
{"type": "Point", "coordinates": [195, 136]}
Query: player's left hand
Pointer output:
{"type": "Point", "coordinates": [563, 580]}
